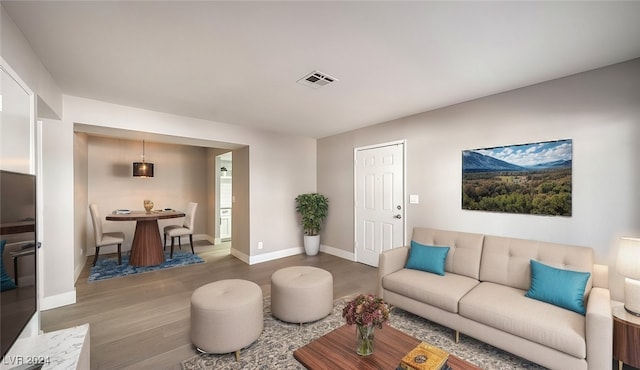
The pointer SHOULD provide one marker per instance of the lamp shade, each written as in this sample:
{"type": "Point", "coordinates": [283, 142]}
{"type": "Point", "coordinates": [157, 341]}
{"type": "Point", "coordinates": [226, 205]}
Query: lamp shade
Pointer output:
{"type": "Point", "coordinates": [142, 169]}
{"type": "Point", "coordinates": [628, 264]}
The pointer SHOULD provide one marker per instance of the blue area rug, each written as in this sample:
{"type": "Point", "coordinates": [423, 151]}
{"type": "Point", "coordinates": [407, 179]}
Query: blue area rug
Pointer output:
{"type": "Point", "coordinates": [109, 268]}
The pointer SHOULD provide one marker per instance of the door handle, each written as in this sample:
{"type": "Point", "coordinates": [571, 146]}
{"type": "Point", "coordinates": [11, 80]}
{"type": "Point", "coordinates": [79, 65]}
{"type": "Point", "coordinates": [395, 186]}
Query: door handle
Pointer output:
{"type": "Point", "coordinates": [398, 216]}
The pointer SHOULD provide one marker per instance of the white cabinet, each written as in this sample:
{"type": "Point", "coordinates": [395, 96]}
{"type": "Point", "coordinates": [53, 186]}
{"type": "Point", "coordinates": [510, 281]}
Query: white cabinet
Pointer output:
{"type": "Point", "coordinates": [225, 224]}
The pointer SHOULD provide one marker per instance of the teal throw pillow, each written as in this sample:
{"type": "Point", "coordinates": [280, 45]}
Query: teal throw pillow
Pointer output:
{"type": "Point", "coordinates": [427, 258]}
{"type": "Point", "coordinates": [6, 283]}
{"type": "Point", "coordinates": [563, 288]}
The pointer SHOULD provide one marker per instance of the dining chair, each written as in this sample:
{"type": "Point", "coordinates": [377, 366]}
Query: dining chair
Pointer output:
{"type": "Point", "coordinates": [176, 231]}
{"type": "Point", "coordinates": [102, 238]}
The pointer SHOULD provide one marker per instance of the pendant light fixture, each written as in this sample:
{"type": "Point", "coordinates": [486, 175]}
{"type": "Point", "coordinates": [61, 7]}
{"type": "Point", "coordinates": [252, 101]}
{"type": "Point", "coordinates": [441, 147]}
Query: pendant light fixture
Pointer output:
{"type": "Point", "coordinates": [142, 169]}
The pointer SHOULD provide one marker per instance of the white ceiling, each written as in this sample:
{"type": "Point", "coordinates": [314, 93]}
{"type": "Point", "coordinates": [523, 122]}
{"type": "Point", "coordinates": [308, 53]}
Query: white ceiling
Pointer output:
{"type": "Point", "coordinates": [238, 62]}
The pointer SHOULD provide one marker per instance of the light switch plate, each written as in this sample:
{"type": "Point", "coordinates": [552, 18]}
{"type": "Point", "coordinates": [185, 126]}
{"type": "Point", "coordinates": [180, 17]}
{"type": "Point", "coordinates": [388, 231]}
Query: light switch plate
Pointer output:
{"type": "Point", "coordinates": [414, 199]}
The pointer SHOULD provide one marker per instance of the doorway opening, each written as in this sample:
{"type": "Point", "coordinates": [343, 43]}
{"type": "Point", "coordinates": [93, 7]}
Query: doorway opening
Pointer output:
{"type": "Point", "coordinates": [224, 196]}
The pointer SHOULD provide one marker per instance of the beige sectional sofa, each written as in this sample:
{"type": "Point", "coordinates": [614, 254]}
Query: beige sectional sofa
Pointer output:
{"type": "Point", "coordinates": [482, 295]}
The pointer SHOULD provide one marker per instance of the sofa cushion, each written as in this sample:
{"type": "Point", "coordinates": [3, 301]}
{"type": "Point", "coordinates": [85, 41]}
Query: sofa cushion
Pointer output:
{"type": "Point", "coordinates": [443, 292]}
{"type": "Point", "coordinates": [466, 248]}
{"type": "Point", "coordinates": [506, 260]}
{"type": "Point", "coordinates": [507, 309]}
{"type": "Point", "coordinates": [563, 288]}
{"type": "Point", "coordinates": [427, 258]}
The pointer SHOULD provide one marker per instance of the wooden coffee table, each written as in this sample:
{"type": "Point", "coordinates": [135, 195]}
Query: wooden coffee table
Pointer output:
{"type": "Point", "coordinates": [337, 350]}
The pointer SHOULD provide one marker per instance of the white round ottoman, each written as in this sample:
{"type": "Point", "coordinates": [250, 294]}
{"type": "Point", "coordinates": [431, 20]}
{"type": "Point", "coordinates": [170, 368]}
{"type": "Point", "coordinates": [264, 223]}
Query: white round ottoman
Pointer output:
{"type": "Point", "coordinates": [301, 294]}
{"type": "Point", "coordinates": [226, 316]}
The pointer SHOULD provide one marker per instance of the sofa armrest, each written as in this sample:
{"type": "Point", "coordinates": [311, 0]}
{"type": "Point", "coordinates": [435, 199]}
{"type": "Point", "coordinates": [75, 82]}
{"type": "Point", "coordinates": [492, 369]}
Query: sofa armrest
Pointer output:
{"type": "Point", "coordinates": [599, 329]}
{"type": "Point", "coordinates": [390, 261]}
{"type": "Point", "coordinates": [601, 276]}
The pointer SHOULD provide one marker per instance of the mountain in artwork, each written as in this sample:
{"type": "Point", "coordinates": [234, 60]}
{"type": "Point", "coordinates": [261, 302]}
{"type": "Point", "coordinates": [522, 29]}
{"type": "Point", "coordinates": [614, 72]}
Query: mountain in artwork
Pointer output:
{"type": "Point", "coordinates": [562, 163]}
{"type": "Point", "coordinates": [477, 162]}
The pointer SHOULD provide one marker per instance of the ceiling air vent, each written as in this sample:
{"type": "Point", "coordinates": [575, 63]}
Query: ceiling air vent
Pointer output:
{"type": "Point", "coordinates": [316, 79]}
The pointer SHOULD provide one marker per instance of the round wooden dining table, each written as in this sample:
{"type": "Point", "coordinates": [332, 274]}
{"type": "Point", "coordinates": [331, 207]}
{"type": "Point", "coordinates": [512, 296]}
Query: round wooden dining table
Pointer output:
{"type": "Point", "coordinates": [146, 249]}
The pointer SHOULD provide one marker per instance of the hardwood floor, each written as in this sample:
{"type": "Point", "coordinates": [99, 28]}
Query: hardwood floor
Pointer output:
{"type": "Point", "coordinates": [142, 321]}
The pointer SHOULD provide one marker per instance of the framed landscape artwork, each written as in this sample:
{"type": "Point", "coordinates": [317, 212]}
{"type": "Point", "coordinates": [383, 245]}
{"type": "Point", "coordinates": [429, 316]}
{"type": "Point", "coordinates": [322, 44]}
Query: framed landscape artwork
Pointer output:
{"type": "Point", "coordinates": [526, 178]}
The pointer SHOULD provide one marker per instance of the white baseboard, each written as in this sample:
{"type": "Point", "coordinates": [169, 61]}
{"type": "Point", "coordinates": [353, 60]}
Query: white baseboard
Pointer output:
{"type": "Point", "coordinates": [251, 260]}
{"type": "Point", "coordinates": [338, 252]}
{"type": "Point", "coordinates": [206, 237]}
{"type": "Point", "coordinates": [58, 300]}
{"type": "Point", "coordinates": [78, 270]}
{"type": "Point", "coordinates": [275, 255]}
{"type": "Point", "coordinates": [239, 255]}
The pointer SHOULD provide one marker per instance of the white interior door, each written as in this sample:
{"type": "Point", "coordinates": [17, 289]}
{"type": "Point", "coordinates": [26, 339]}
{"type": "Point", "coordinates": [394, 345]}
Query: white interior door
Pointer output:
{"type": "Point", "coordinates": [379, 208]}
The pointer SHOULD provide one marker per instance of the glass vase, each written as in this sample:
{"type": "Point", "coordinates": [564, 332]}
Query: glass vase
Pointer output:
{"type": "Point", "coordinates": [364, 339]}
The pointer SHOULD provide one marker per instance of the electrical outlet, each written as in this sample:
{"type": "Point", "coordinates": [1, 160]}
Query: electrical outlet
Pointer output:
{"type": "Point", "coordinates": [259, 245]}
{"type": "Point", "coordinates": [414, 199]}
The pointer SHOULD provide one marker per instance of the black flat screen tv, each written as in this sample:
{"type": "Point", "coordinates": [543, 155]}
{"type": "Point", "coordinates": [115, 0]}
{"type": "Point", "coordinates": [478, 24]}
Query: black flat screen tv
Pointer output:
{"type": "Point", "coordinates": [18, 296]}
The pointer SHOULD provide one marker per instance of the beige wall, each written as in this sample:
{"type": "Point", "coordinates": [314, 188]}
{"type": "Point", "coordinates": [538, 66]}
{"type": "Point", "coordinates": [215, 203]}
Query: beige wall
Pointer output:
{"type": "Point", "coordinates": [279, 170]}
{"type": "Point", "coordinates": [599, 110]}
{"type": "Point", "coordinates": [241, 228]}
{"type": "Point", "coordinates": [81, 212]}
{"type": "Point", "coordinates": [57, 205]}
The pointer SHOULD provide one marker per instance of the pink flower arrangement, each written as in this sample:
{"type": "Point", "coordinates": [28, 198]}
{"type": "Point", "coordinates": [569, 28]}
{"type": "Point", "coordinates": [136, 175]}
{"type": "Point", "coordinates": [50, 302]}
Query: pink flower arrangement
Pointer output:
{"type": "Point", "coordinates": [366, 310]}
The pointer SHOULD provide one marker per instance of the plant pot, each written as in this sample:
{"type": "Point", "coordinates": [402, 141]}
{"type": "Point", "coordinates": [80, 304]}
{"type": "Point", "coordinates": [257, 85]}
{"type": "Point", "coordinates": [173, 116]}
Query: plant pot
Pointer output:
{"type": "Point", "coordinates": [311, 244]}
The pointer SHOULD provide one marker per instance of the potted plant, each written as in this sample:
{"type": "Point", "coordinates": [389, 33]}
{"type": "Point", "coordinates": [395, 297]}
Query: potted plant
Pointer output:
{"type": "Point", "coordinates": [313, 209]}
